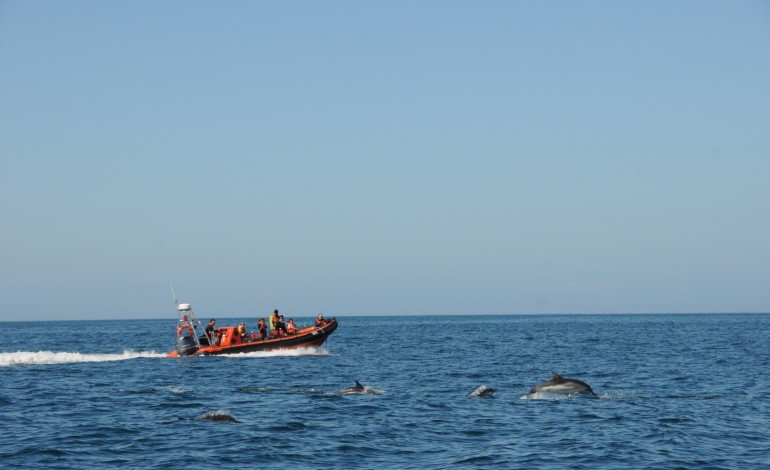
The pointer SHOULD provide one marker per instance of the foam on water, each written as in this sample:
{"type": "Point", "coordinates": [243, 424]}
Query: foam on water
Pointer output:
{"type": "Point", "coordinates": [366, 391]}
{"type": "Point", "coordinates": [297, 352]}
{"type": "Point", "coordinates": [176, 389]}
{"type": "Point", "coordinates": [22, 358]}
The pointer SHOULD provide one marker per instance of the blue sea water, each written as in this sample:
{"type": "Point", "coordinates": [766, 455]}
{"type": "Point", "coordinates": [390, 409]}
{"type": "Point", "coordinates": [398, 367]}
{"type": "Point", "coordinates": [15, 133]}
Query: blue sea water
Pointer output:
{"type": "Point", "coordinates": [673, 391]}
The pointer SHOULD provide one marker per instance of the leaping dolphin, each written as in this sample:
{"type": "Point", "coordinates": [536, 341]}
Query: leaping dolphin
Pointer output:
{"type": "Point", "coordinates": [482, 392]}
{"type": "Point", "coordinates": [562, 386]}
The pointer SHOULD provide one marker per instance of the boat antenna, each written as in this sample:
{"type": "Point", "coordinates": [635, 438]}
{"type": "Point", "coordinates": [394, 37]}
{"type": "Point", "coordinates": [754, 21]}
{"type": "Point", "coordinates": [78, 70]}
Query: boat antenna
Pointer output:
{"type": "Point", "coordinates": [173, 294]}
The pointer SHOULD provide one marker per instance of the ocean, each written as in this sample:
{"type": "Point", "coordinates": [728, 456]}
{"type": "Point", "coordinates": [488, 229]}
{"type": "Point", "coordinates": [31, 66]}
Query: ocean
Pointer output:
{"type": "Point", "coordinates": [673, 391]}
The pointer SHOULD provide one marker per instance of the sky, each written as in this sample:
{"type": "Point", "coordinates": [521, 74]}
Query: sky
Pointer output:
{"type": "Point", "coordinates": [383, 158]}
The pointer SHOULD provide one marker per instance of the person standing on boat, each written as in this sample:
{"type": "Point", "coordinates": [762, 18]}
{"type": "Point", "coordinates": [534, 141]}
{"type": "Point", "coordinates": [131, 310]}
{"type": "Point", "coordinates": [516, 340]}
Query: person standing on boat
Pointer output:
{"type": "Point", "coordinates": [242, 331]}
{"type": "Point", "coordinates": [274, 320]}
{"type": "Point", "coordinates": [211, 333]}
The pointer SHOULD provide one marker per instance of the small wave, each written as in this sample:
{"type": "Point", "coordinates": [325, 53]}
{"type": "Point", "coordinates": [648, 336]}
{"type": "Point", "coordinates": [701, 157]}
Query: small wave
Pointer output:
{"type": "Point", "coordinates": [173, 389]}
{"type": "Point", "coordinates": [23, 358]}
{"type": "Point", "coordinates": [255, 389]}
{"type": "Point", "coordinates": [291, 426]}
{"type": "Point", "coordinates": [477, 460]}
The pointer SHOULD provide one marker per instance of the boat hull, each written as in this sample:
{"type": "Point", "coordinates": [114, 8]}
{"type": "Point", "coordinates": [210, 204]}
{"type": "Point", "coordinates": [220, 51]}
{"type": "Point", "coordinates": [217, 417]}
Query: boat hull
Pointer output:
{"type": "Point", "coordinates": [309, 337]}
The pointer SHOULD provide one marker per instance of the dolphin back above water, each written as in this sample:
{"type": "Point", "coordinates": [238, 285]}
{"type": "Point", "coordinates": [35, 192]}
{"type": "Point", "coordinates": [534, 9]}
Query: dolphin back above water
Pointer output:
{"type": "Point", "coordinates": [359, 390]}
{"type": "Point", "coordinates": [562, 386]}
{"type": "Point", "coordinates": [219, 417]}
{"type": "Point", "coordinates": [482, 392]}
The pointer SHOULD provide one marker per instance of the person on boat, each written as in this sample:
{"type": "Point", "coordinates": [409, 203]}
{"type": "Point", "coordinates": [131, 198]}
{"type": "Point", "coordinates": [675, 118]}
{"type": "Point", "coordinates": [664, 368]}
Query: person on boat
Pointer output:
{"type": "Point", "coordinates": [291, 328]}
{"type": "Point", "coordinates": [242, 331]}
{"type": "Point", "coordinates": [280, 327]}
{"type": "Point", "coordinates": [211, 332]}
{"type": "Point", "coordinates": [261, 329]}
{"type": "Point", "coordinates": [274, 319]}
{"type": "Point", "coordinates": [319, 321]}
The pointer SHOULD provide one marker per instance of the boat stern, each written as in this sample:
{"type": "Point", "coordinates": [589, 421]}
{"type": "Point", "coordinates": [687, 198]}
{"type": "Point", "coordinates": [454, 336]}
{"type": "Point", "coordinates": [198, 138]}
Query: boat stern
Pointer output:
{"type": "Point", "coordinates": [186, 346]}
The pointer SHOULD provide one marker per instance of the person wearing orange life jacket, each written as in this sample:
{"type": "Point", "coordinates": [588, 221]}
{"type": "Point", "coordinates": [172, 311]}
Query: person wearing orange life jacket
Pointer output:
{"type": "Point", "coordinates": [261, 329]}
{"type": "Point", "coordinates": [319, 321]}
{"type": "Point", "coordinates": [241, 331]}
{"type": "Point", "coordinates": [291, 328]}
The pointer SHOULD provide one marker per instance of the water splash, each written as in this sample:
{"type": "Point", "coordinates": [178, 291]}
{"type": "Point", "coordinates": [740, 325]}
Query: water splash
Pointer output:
{"type": "Point", "coordinates": [367, 390]}
{"type": "Point", "coordinates": [25, 358]}
{"type": "Point", "coordinates": [176, 389]}
{"type": "Point", "coordinates": [297, 352]}
{"type": "Point", "coordinates": [545, 396]}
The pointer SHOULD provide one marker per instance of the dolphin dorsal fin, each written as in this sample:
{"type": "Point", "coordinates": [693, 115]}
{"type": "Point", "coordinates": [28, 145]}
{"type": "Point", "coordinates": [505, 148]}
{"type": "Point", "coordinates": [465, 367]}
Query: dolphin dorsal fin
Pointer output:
{"type": "Point", "coordinates": [359, 386]}
{"type": "Point", "coordinates": [555, 375]}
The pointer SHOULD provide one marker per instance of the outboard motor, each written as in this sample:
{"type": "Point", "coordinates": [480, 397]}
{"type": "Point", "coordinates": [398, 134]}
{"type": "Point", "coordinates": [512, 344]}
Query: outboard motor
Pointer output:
{"type": "Point", "coordinates": [186, 345]}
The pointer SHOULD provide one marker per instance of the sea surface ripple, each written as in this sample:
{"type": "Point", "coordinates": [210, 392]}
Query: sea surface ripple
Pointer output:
{"type": "Point", "coordinates": [673, 391]}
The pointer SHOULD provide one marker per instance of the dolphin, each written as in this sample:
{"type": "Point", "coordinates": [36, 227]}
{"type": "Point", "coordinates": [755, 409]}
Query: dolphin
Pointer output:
{"type": "Point", "coordinates": [359, 390]}
{"type": "Point", "coordinates": [350, 390]}
{"type": "Point", "coordinates": [561, 386]}
{"type": "Point", "coordinates": [482, 392]}
{"type": "Point", "coordinates": [219, 417]}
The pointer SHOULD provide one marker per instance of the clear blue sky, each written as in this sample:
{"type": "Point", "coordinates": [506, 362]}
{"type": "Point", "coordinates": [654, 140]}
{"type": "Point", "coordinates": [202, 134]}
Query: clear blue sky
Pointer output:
{"type": "Point", "coordinates": [367, 158]}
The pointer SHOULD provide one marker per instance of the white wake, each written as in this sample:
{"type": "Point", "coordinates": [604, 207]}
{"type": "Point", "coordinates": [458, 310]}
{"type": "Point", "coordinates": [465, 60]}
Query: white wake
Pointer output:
{"type": "Point", "coordinates": [295, 352]}
{"type": "Point", "coordinates": [23, 358]}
